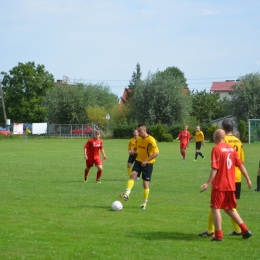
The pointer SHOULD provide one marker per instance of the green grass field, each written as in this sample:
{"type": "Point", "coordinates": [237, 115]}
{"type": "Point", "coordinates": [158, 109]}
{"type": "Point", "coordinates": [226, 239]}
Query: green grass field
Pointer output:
{"type": "Point", "coordinates": [48, 212]}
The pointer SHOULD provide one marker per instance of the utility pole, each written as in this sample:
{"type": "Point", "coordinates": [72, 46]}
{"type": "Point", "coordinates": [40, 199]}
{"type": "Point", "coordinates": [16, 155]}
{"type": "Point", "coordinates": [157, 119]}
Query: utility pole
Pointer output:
{"type": "Point", "coordinates": [3, 102]}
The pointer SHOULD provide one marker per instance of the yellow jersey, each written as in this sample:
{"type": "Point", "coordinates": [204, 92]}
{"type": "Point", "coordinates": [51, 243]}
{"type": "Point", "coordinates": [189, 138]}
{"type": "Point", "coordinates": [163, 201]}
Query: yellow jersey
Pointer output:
{"type": "Point", "coordinates": [199, 136]}
{"type": "Point", "coordinates": [145, 147]}
{"type": "Point", "coordinates": [236, 143]}
{"type": "Point", "coordinates": [131, 144]}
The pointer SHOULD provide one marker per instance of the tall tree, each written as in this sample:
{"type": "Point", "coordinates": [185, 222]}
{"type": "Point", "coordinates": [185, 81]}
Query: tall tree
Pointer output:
{"type": "Point", "coordinates": [66, 104]}
{"type": "Point", "coordinates": [161, 98]}
{"type": "Point", "coordinates": [133, 83]}
{"type": "Point", "coordinates": [245, 97]}
{"type": "Point", "coordinates": [206, 106]}
{"type": "Point", "coordinates": [24, 89]}
{"type": "Point", "coordinates": [99, 95]}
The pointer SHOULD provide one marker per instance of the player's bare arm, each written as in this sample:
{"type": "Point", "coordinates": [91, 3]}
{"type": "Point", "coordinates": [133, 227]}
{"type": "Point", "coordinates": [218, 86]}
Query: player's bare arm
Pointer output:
{"type": "Point", "coordinates": [211, 178]}
{"type": "Point", "coordinates": [245, 174]}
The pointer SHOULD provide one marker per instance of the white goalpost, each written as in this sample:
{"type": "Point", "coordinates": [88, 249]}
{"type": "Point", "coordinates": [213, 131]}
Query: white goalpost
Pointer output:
{"type": "Point", "coordinates": [253, 130]}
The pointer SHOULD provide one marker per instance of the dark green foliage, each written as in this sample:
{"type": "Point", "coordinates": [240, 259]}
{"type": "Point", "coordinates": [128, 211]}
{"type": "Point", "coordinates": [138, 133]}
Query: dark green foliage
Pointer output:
{"type": "Point", "coordinates": [210, 131]}
{"type": "Point", "coordinates": [123, 131]}
{"type": "Point", "coordinates": [158, 132]}
{"type": "Point", "coordinates": [160, 98]}
{"type": "Point", "coordinates": [207, 106]}
{"type": "Point", "coordinates": [167, 138]}
{"type": "Point", "coordinates": [175, 130]}
{"type": "Point", "coordinates": [24, 89]}
{"type": "Point", "coordinates": [245, 97]}
{"type": "Point", "coordinates": [243, 131]}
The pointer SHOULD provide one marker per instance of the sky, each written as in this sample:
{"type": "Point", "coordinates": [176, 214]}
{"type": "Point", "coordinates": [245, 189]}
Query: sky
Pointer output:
{"type": "Point", "coordinates": [101, 41]}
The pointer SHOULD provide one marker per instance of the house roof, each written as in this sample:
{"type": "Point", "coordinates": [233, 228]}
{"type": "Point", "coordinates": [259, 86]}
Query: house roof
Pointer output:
{"type": "Point", "coordinates": [224, 86]}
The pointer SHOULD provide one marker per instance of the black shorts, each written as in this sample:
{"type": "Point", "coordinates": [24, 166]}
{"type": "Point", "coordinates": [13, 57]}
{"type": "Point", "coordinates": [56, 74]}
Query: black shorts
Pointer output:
{"type": "Point", "coordinates": [198, 145]}
{"type": "Point", "coordinates": [238, 190]}
{"type": "Point", "coordinates": [131, 158]}
{"type": "Point", "coordinates": [146, 170]}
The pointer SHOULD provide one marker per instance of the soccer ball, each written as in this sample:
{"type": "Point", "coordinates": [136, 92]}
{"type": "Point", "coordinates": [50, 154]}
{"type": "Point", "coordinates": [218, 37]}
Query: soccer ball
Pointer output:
{"type": "Point", "coordinates": [117, 205]}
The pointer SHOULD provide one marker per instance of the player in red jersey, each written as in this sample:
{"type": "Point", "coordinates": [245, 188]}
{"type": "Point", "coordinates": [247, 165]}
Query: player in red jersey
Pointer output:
{"type": "Point", "coordinates": [184, 137]}
{"type": "Point", "coordinates": [91, 153]}
{"type": "Point", "coordinates": [224, 158]}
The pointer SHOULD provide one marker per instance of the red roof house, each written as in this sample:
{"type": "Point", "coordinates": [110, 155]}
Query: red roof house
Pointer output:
{"type": "Point", "coordinates": [224, 87]}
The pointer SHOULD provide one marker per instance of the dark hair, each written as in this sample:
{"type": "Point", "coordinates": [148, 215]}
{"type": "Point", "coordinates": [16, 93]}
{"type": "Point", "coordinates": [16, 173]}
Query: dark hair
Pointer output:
{"type": "Point", "coordinates": [227, 125]}
{"type": "Point", "coordinates": [141, 125]}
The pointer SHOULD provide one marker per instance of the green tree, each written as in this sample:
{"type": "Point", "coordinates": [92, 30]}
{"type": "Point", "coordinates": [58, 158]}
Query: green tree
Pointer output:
{"type": "Point", "coordinates": [134, 82]}
{"type": "Point", "coordinates": [206, 106]}
{"type": "Point", "coordinates": [24, 89]}
{"type": "Point", "coordinates": [99, 95]}
{"type": "Point", "coordinates": [245, 98]}
{"type": "Point", "coordinates": [66, 104]}
{"type": "Point", "coordinates": [161, 98]}
{"type": "Point", "coordinates": [97, 115]}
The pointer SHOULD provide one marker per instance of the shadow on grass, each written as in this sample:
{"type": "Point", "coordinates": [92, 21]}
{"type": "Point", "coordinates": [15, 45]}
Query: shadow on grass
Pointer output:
{"type": "Point", "coordinates": [159, 235]}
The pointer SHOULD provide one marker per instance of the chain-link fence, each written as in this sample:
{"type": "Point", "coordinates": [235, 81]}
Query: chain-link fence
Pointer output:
{"type": "Point", "coordinates": [71, 131]}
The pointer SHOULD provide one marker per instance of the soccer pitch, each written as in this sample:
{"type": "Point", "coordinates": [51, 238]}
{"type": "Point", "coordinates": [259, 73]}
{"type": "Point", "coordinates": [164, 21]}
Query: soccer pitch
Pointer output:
{"type": "Point", "coordinates": [48, 212]}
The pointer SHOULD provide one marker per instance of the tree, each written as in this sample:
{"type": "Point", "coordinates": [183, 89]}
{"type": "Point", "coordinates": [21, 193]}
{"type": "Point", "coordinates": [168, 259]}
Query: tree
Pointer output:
{"type": "Point", "coordinates": [133, 83]}
{"type": "Point", "coordinates": [66, 104]}
{"type": "Point", "coordinates": [97, 115]}
{"type": "Point", "coordinates": [99, 95]}
{"type": "Point", "coordinates": [161, 98]}
{"type": "Point", "coordinates": [245, 98]}
{"type": "Point", "coordinates": [173, 72]}
{"type": "Point", "coordinates": [206, 106]}
{"type": "Point", "coordinates": [24, 89]}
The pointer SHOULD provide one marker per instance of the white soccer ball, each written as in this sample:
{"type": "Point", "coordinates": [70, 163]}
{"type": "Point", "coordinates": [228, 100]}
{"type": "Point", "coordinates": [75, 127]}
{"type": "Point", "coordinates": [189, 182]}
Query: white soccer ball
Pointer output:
{"type": "Point", "coordinates": [117, 205]}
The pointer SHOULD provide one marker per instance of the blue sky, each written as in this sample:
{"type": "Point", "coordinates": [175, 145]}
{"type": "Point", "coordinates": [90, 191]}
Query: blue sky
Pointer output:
{"type": "Point", "coordinates": [102, 40]}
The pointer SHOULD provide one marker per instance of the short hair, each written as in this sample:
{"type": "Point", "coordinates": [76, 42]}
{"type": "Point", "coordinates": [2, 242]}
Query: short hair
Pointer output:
{"type": "Point", "coordinates": [97, 132]}
{"type": "Point", "coordinates": [142, 125]}
{"type": "Point", "coordinates": [227, 125]}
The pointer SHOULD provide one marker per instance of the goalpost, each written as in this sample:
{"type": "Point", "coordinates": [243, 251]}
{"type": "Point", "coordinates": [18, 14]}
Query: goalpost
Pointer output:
{"type": "Point", "coordinates": [253, 130]}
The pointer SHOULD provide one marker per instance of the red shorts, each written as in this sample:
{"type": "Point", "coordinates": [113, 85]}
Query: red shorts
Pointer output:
{"type": "Point", "coordinates": [90, 163]}
{"type": "Point", "coordinates": [183, 146]}
{"type": "Point", "coordinates": [223, 200]}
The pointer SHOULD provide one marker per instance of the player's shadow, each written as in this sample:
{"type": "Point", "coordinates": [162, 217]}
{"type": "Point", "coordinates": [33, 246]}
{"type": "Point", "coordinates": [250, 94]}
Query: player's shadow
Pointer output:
{"type": "Point", "coordinates": [159, 235]}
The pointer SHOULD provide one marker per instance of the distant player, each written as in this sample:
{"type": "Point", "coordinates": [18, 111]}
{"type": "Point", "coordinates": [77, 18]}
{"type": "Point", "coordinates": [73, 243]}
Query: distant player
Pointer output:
{"type": "Point", "coordinates": [184, 137]}
{"type": "Point", "coordinates": [199, 139]}
{"type": "Point", "coordinates": [91, 154]}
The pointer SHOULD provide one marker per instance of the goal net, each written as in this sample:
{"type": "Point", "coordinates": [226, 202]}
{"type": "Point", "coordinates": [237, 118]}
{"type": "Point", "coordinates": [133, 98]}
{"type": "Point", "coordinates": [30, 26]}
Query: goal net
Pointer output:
{"type": "Point", "coordinates": [253, 130]}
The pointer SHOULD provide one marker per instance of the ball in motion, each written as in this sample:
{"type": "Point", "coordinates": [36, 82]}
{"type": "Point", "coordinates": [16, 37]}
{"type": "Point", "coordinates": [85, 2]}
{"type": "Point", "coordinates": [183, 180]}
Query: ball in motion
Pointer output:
{"type": "Point", "coordinates": [117, 205]}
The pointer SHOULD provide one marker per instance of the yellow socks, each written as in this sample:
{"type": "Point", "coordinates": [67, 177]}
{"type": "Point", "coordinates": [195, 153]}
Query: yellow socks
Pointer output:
{"type": "Point", "coordinates": [129, 186]}
{"type": "Point", "coordinates": [236, 226]}
{"type": "Point", "coordinates": [129, 171]}
{"type": "Point", "coordinates": [211, 227]}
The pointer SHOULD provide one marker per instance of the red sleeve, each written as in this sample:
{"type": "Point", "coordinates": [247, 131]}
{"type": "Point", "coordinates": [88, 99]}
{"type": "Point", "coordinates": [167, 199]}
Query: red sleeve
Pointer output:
{"type": "Point", "coordinates": [215, 158]}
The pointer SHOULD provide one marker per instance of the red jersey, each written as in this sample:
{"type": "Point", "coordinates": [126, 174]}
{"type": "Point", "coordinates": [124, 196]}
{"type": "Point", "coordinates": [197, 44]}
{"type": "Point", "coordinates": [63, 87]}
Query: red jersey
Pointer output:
{"type": "Point", "coordinates": [184, 136]}
{"type": "Point", "coordinates": [224, 158]}
{"type": "Point", "coordinates": [93, 146]}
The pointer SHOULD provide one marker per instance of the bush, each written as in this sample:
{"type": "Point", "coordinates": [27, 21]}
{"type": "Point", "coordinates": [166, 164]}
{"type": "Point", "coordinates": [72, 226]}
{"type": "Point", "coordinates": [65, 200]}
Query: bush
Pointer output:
{"type": "Point", "coordinates": [123, 131]}
{"type": "Point", "coordinates": [167, 138]}
{"type": "Point", "coordinates": [175, 130]}
{"type": "Point", "coordinates": [210, 131]}
{"type": "Point", "coordinates": [158, 132]}
{"type": "Point", "coordinates": [242, 128]}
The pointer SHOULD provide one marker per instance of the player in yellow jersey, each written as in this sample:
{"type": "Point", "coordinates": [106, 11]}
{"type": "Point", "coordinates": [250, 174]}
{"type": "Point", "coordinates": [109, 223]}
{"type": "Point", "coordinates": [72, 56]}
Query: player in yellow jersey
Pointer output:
{"type": "Point", "coordinates": [146, 150]}
{"type": "Point", "coordinates": [199, 139]}
{"type": "Point", "coordinates": [132, 155]}
{"type": "Point", "coordinates": [227, 126]}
